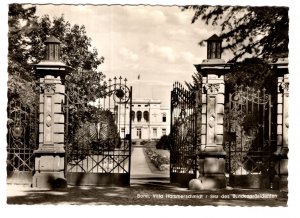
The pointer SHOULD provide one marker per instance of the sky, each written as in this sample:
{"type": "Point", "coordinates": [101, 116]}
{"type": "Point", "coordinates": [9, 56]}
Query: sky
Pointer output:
{"type": "Point", "coordinates": [159, 43]}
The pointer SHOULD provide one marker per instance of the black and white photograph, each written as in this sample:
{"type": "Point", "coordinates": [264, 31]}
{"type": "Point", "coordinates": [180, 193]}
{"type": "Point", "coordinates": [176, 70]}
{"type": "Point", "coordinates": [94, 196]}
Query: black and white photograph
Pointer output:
{"type": "Point", "coordinates": [147, 104]}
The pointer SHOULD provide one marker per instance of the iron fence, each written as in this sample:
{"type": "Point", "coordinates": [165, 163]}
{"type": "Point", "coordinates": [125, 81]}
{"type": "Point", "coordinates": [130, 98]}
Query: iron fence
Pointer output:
{"type": "Point", "coordinates": [183, 135]}
{"type": "Point", "coordinates": [98, 135]}
{"type": "Point", "coordinates": [249, 138]}
{"type": "Point", "coordinates": [22, 139]}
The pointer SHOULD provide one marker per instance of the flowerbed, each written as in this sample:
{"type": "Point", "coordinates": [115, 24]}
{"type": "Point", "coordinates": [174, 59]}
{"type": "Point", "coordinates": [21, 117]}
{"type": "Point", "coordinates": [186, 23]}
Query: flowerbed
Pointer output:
{"type": "Point", "coordinates": [161, 162]}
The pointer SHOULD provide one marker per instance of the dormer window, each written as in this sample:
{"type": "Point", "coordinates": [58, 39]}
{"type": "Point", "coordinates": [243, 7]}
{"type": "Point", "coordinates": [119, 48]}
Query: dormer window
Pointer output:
{"type": "Point", "coordinates": [214, 47]}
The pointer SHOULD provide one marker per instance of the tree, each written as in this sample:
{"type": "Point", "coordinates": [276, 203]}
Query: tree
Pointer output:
{"type": "Point", "coordinates": [27, 34]}
{"type": "Point", "coordinates": [196, 84]}
{"type": "Point", "coordinates": [256, 31]}
{"type": "Point", "coordinates": [76, 52]}
{"type": "Point", "coordinates": [21, 83]}
{"type": "Point", "coordinates": [251, 72]}
{"type": "Point", "coordinates": [164, 142]}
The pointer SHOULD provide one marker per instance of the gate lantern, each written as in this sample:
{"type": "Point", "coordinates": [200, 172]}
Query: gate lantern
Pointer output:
{"type": "Point", "coordinates": [49, 157]}
{"type": "Point", "coordinates": [211, 165]}
{"type": "Point", "coordinates": [214, 47]}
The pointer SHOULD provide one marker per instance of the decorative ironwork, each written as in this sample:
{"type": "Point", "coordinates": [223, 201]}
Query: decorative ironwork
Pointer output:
{"type": "Point", "coordinates": [120, 91]}
{"type": "Point", "coordinates": [248, 144]}
{"type": "Point", "coordinates": [96, 146]}
{"type": "Point", "coordinates": [183, 134]}
{"type": "Point", "coordinates": [22, 136]}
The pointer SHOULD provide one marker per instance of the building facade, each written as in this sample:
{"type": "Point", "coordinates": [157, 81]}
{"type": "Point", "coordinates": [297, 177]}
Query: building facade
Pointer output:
{"type": "Point", "coordinates": [150, 120]}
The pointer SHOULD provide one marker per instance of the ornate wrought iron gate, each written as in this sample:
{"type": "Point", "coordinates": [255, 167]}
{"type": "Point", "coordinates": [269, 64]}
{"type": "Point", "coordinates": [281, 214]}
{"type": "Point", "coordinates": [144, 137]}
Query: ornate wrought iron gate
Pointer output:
{"type": "Point", "coordinates": [22, 140]}
{"type": "Point", "coordinates": [248, 144]}
{"type": "Point", "coordinates": [99, 144]}
{"type": "Point", "coordinates": [183, 135]}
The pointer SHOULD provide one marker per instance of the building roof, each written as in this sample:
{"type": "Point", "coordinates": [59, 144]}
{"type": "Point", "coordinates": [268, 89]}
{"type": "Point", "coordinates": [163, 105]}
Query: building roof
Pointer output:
{"type": "Point", "coordinates": [146, 101]}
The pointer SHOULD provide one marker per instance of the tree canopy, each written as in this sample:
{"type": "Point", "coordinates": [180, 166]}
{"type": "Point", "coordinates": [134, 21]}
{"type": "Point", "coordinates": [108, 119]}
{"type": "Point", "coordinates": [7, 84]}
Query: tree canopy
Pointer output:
{"type": "Point", "coordinates": [248, 31]}
{"type": "Point", "coordinates": [20, 75]}
{"type": "Point", "coordinates": [27, 33]}
{"type": "Point", "coordinates": [251, 72]}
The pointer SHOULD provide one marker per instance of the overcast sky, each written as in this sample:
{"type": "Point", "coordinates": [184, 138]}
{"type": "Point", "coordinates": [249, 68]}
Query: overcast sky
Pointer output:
{"type": "Point", "coordinates": [159, 43]}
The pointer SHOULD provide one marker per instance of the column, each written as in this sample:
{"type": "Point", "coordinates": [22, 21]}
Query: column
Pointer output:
{"type": "Point", "coordinates": [212, 156]}
{"type": "Point", "coordinates": [50, 156]}
{"type": "Point", "coordinates": [49, 169]}
{"type": "Point", "coordinates": [281, 154]}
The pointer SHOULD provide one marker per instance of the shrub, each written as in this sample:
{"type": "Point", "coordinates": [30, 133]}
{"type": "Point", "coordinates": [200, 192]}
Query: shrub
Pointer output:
{"type": "Point", "coordinates": [161, 162]}
{"type": "Point", "coordinates": [143, 142]}
{"type": "Point", "coordinates": [164, 142]}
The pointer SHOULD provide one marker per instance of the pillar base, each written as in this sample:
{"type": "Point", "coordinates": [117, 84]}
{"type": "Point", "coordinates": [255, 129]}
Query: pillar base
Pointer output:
{"type": "Point", "coordinates": [49, 169]}
{"type": "Point", "coordinates": [281, 178]}
{"type": "Point", "coordinates": [208, 182]}
{"type": "Point", "coordinates": [212, 170]}
{"type": "Point", "coordinates": [281, 183]}
{"type": "Point", "coordinates": [49, 180]}
{"type": "Point", "coordinates": [281, 168]}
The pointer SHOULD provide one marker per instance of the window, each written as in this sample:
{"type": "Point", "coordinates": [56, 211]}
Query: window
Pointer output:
{"type": "Point", "coordinates": [123, 132]}
{"type": "Point", "coordinates": [164, 117]}
{"type": "Point", "coordinates": [214, 50]}
{"type": "Point", "coordinates": [154, 132]}
{"type": "Point", "coordinates": [132, 115]}
{"type": "Point", "coordinates": [164, 132]}
{"type": "Point", "coordinates": [139, 116]}
{"type": "Point", "coordinates": [139, 105]}
{"type": "Point", "coordinates": [146, 105]}
{"type": "Point", "coordinates": [139, 133]}
{"type": "Point", "coordinates": [146, 116]}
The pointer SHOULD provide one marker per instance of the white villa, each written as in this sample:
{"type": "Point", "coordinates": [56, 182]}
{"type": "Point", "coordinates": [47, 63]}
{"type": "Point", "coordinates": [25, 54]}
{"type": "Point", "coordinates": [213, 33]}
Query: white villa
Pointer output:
{"type": "Point", "coordinates": [150, 120]}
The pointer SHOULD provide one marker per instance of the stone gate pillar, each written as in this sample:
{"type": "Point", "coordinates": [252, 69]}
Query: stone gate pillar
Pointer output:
{"type": "Point", "coordinates": [49, 157]}
{"type": "Point", "coordinates": [281, 155]}
{"type": "Point", "coordinates": [211, 155]}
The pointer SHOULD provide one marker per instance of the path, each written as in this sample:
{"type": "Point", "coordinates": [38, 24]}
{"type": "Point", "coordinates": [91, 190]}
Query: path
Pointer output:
{"type": "Point", "coordinates": [139, 164]}
{"type": "Point", "coordinates": [142, 173]}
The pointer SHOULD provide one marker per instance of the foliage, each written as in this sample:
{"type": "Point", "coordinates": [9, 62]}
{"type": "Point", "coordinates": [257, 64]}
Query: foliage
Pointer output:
{"type": "Point", "coordinates": [164, 142]}
{"type": "Point", "coordinates": [251, 72]}
{"type": "Point", "coordinates": [256, 31]}
{"type": "Point", "coordinates": [21, 82]}
{"type": "Point", "coordinates": [77, 53]}
{"type": "Point", "coordinates": [108, 133]}
{"type": "Point", "coordinates": [161, 162]}
{"type": "Point", "coordinates": [26, 36]}
{"type": "Point", "coordinates": [96, 132]}
{"type": "Point", "coordinates": [196, 83]}
{"type": "Point", "coordinates": [143, 142]}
